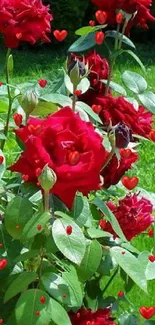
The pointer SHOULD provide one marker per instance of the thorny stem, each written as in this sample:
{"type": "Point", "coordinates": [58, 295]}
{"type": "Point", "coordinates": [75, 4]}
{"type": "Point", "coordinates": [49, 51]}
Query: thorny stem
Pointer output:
{"type": "Point", "coordinates": [10, 100]}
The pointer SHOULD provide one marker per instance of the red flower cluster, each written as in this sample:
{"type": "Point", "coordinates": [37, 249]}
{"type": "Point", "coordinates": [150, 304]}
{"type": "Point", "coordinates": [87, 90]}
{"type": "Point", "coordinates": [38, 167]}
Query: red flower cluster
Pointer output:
{"type": "Point", "coordinates": [76, 156]}
{"type": "Point", "coordinates": [24, 21]}
{"type": "Point", "coordinates": [134, 215]}
{"type": "Point", "coordinates": [88, 317]}
{"type": "Point", "coordinates": [114, 171]}
{"type": "Point", "coordinates": [141, 9]}
{"type": "Point", "coordinates": [117, 109]}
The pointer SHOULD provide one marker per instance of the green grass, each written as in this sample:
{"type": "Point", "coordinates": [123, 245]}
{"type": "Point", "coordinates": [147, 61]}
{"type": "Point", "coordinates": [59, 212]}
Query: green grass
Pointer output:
{"type": "Point", "coordinates": [39, 62]}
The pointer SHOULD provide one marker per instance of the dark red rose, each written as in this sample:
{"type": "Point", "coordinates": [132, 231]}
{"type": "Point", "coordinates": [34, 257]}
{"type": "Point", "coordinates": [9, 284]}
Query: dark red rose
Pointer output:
{"type": "Point", "coordinates": [24, 21]}
{"type": "Point", "coordinates": [87, 316]}
{"type": "Point", "coordinates": [139, 8]}
{"type": "Point", "coordinates": [114, 171]}
{"type": "Point", "coordinates": [123, 135]}
{"type": "Point", "coordinates": [134, 215]}
{"type": "Point", "coordinates": [69, 146]}
{"type": "Point", "coordinates": [98, 69]}
{"type": "Point", "coordinates": [117, 109]}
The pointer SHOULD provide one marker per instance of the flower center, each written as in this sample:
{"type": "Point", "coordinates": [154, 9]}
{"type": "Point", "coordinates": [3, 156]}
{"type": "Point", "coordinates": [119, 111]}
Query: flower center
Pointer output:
{"type": "Point", "coordinates": [73, 158]}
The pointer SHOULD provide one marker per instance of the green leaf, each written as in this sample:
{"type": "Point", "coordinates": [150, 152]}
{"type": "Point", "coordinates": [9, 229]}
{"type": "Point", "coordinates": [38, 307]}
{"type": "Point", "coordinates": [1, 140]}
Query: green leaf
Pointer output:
{"type": "Point", "coordinates": [85, 30]}
{"type": "Point", "coordinates": [72, 246]}
{"type": "Point", "coordinates": [3, 104]}
{"type": "Point", "coordinates": [97, 233]}
{"type": "Point", "coordinates": [29, 303]}
{"type": "Point", "coordinates": [81, 210]}
{"type": "Point", "coordinates": [18, 212]}
{"type": "Point", "coordinates": [44, 108]}
{"type": "Point", "coordinates": [126, 40]}
{"type": "Point", "coordinates": [56, 286]}
{"type": "Point", "coordinates": [110, 216]}
{"type": "Point", "coordinates": [136, 58]}
{"type": "Point", "coordinates": [148, 100]}
{"type": "Point", "coordinates": [149, 322]}
{"type": "Point", "coordinates": [27, 255]}
{"type": "Point", "coordinates": [30, 229]}
{"type": "Point", "coordinates": [83, 85]}
{"type": "Point", "coordinates": [148, 266]}
{"type": "Point", "coordinates": [134, 81]}
{"type": "Point", "coordinates": [131, 265]}
{"type": "Point", "coordinates": [59, 99]}
{"type": "Point", "coordinates": [89, 264]}
{"type": "Point", "coordinates": [83, 43]}
{"type": "Point", "coordinates": [116, 87]}
{"type": "Point", "coordinates": [88, 110]}
{"type": "Point", "coordinates": [128, 319]}
{"type": "Point", "coordinates": [19, 284]}
{"type": "Point", "coordinates": [74, 286]}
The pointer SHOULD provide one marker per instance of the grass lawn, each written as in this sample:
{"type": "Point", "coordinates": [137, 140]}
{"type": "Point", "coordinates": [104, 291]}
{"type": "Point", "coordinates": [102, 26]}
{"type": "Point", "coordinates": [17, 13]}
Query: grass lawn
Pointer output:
{"type": "Point", "coordinates": [37, 63]}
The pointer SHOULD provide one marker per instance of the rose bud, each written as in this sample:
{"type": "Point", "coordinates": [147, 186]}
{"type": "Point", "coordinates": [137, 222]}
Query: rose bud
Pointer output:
{"type": "Point", "coordinates": [29, 102]}
{"type": "Point", "coordinates": [76, 70]}
{"type": "Point", "coordinates": [47, 178]}
{"type": "Point", "coordinates": [123, 135]}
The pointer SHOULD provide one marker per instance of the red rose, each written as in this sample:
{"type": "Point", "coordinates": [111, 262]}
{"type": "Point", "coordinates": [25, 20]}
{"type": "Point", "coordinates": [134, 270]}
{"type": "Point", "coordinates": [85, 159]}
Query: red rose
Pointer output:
{"type": "Point", "coordinates": [134, 215]}
{"type": "Point", "coordinates": [117, 109]}
{"type": "Point", "coordinates": [69, 146]}
{"type": "Point", "coordinates": [139, 7]}
{"type": "Point", "coordinates": [114, 171]}
{"type": "Point", "coordinates": [24, 21]}
{"type": "Point", "coordinates": [84, 317]}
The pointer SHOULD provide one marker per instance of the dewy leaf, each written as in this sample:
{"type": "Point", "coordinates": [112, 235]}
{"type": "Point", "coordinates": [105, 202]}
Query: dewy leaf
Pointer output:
{"type": "Point", "coordinates": [18, 212]}
{"type": "Point", "coordinates": [134, 81]}
{"type": "Point", "coordinates": [51, 310]}
{"type": "Point", "coordinates": [131, 265]}
{"type": "Point", "coordinates": [19, 284]}
{"type": "Point", "coordinates": [89, 264]}
{"type": "Point", "coordinates": [75, 289]}
{"type": "Point", "coordinates": [110, 216]}
{"type": "Point", "coordinates": [83, 43]}
{"type": "Point", "coordinates": [148, 100]}
{"type": "Point", "coordinates": [72, 246]}
{"type": "Point", "coordinates": [126, 40]}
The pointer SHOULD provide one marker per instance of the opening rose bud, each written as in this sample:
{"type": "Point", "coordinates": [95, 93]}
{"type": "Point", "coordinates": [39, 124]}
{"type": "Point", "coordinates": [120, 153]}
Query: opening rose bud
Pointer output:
{"type": "Point", "coordinates": [76, 70]}
{"type": "Point", "coordinates": [123, 135]}
{"type": "Point", "coordinates": [47, 178]}
{"type": "Point", "coordinates": [29, 102]}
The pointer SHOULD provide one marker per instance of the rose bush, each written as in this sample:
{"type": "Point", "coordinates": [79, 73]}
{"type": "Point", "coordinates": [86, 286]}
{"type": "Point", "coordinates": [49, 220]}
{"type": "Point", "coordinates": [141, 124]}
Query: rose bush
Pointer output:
{"type": "Point", "coordinates": [69, 213]}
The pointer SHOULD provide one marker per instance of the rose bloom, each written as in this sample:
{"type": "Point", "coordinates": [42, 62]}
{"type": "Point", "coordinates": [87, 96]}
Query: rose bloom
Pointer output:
{"type": "Point", "coordinates": [24, 21]}
{"type": "Point", "coordinates": [88, 317]}
{"type": "Point", "coordinates": [140, 7]}
{"type": "Point", "coordinates": [114, 171]}
{"type": "Point", "coordinates": [118, 109]}
{"type": "Point", "coordinates": [134, 215]}
{"type": "Point", "coordinates": [99, 69]}
{"type": "Point", "coordinates": [69, 146]}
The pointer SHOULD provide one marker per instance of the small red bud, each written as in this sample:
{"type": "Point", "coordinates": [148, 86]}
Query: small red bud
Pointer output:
{"type": "Point", "coordinates": [120, 293]}
{"type": "Point", "coordinates": [99, 37]}
{"type": "Point", "coordinates": [92, 23]}
{"type": "Point", "coordinates": [69, 230]}
{"type": "Point", "coordinates": [150, 232]}
{"type": "Point", "coordinates": [3, 263]}
{"type": "Point", "coordinates": [39, 227]}
{"type": "Point", "coordinates": [37, 313]}
{"type": "Point", "coordinates": [78, 92]}
{"type": "Point", "coordinates": [18, 119]}
{"type": "Point", "coordinates": [119, 18]}
{"type": "Point", "coordinates": [102, 224]}
{"type": "Point", "coordinates": [42, 83]}
{"type": "Point", "coordinates": [1, 160]}
{"type": "Point", "coordinates": [42, 299]}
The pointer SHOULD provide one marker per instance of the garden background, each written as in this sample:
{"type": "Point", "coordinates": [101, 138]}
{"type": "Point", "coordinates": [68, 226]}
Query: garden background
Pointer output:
{"type": "Point", "coordinates": [45, 60]}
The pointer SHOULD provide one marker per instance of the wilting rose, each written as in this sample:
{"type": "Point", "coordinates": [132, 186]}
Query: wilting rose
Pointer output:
{"type": "Point", "coordinates": [114, 171]}
{"type": "Point", "coordinates": [123, 135]}
{"type": "Point", "coordinates": [117, 109]}
{"type": "Point", "coordinates": [24, 21]}
{"type": "Point", "coordinates": [69, 146]}
{"type": "Point", "coordinates": [134, 215]}
{"type": "Point", "coordinates": [89, 317]}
